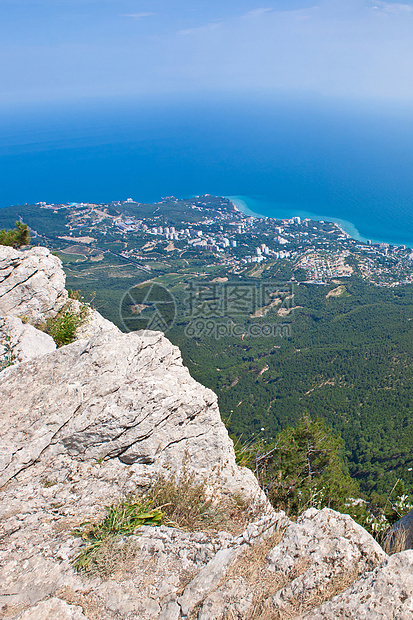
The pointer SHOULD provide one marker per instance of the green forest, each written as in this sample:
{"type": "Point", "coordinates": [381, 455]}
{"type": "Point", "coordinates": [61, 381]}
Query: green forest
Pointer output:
{"type": "Point", "coordinates": [348, 360]}
{"type": "Point", "coordinates": [345, 358]}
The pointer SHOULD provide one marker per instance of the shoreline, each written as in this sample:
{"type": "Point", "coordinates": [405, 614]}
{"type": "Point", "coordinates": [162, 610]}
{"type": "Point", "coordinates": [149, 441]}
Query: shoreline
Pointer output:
{"type": "Point", "coordinates": [240, 202]}
{"type": "Point", "coordinates": [348, 227]}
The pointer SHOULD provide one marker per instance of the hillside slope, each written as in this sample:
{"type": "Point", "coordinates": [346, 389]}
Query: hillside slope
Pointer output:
{"type": "Point", "coordinates": [86, 425]}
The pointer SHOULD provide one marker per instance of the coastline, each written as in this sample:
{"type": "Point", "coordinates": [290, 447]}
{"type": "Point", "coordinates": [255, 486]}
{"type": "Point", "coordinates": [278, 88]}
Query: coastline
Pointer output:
{"type": "Point", "coordinates": [279, 213]}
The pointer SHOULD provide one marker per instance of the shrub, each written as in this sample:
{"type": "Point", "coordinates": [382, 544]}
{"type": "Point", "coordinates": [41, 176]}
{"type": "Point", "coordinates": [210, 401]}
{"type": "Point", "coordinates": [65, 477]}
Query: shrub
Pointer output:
{"type": "Point", "coordinates": [186, 503]}
{"type": "Point", "coordinates": [17, 237]}
{"type": "Point", "coordinates": [304, 468]}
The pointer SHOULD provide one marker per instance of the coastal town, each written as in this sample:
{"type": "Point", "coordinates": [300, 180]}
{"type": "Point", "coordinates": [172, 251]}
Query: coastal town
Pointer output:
{"type": "Point", "coordinates": [214, 231]}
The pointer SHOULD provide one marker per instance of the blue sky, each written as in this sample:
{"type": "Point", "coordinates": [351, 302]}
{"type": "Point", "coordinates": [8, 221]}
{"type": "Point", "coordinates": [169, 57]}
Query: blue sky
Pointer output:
{"type": "Point", "coordinates": [60, 50]}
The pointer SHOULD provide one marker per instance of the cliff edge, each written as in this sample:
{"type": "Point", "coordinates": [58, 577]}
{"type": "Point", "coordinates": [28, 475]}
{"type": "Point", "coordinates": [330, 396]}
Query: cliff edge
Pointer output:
{"type": "Point", "coordinates": [86, 425]}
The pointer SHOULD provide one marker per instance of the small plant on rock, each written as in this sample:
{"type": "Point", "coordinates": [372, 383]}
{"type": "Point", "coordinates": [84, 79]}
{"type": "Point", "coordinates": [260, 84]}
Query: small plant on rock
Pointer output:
{"type": "Point", "coordinates": [189, 503]}
{"type": "Point", "coordinates": [74, 294]}
{"type": "Point", "coordinates": [180, 502]}
{"type": "Point", "coordinates": [62, 328]}
{"type": "Point", "coordinates": [122, 519]}
{"type": "Point", "coordinates": [185, 502]}
{"type": "Point", "coordinates": [7, 357]}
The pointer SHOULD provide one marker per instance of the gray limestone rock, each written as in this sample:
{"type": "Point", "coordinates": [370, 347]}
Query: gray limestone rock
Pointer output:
{"type": "Point", "coordinates": [234, 599]}
{"type": "Point", "coordinates": [322, 551]}
{"type": "Point", "coordinates": [25, 341]}
{"type": "Point", "coordinates": [32, 283]}
{"type": "Point", "coordinates": [32, 287]}
{"type": "Point", "coordinates": [204, 585]}
{"type": "Point", "coordinates": [170, 611]}
{"type": "Point", "coordinates": [34, 577]}
{"type": "Point", "coordinates": [53, 609]}
{"type": "Point", "coordinates": [400, 535]}
{"type": "Point", "coordinates": [127, 397]}
{"type": "Point", "coordinates": [208, 579]}
{"type": "Point", "coordinates": [149, 569]}
{"type": "Point", "coordinates": [383, 594]}
{"type": "Point", "coordinates": [94, 324]}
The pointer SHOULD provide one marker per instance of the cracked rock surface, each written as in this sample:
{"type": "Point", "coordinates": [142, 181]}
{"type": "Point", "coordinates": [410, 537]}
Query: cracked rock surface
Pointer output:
{"type": "Point", "coordinates": [323, 550]}
{"type": "Point", "coordinates": [99, 419]}
{"type": "Point", "coordinates": [383, 594]}
{"type": "Point", "coordinates": [25, 340]}
{"type": "Point", "coordinates": [32, 283]}
{"type": "Point", "coordinates": [127, 397]}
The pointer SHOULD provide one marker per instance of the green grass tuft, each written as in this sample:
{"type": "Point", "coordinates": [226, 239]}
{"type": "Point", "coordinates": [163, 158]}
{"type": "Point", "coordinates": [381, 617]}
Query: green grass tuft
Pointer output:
{"type": "Point", "coordinates": [62, 328]}
{"type": "Point", "coordinates": [182, 502]}
{"type": "Point", "coordinates": [7, 357]}
{"type": "Point", "coordinates": [122, 519]}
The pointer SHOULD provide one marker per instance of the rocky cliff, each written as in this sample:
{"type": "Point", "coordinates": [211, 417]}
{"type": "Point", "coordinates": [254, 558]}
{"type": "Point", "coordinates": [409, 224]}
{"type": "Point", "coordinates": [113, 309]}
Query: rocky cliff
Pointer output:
{"type": "Point", "coordinates": [87, 424]}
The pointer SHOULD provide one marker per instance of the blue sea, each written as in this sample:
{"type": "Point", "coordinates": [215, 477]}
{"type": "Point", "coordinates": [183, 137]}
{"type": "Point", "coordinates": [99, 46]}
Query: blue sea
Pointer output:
{"type": "Point", "coordinates": [323, 159]}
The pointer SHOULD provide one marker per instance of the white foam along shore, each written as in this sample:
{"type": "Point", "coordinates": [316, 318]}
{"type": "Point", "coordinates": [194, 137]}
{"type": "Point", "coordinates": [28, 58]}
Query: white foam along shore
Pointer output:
{"type": "Point", "coordinates": [347, 227]}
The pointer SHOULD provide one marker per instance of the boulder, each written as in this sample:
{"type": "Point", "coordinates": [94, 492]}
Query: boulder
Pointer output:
{"type": "Point", "coordinates": [319, 553]}
{"type": "Point", "coordinates": [32, 284]}
{"type": "Point", "coordinates": [125, 397]}
{"type": "Point", "coordinates": [383, 594]}
{"type": "Point", "coordinates": [400, 535]}
{"type": "Point", "coordinates": [23, 341]}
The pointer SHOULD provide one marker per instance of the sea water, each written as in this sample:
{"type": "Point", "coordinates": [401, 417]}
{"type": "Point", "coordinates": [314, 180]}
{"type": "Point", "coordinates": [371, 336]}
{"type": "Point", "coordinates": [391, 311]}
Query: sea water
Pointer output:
{"type": "Point", "coordinates": [313, 158]}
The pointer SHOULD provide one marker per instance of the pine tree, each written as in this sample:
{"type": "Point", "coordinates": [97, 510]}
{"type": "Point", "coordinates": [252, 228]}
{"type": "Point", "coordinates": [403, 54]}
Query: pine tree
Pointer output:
{"type": "Point", "coordinates": [22, 234]}
{"type": "Point", "coordinates": [17, 237]}
{"type": "Point", "coordinates": [305, 467]}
